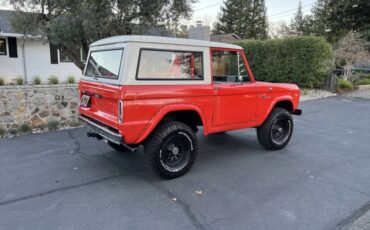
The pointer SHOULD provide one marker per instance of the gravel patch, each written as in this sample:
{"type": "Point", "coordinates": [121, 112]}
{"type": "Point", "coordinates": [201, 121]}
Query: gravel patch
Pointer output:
{"type": "Point", "coordinates": [315, 94]}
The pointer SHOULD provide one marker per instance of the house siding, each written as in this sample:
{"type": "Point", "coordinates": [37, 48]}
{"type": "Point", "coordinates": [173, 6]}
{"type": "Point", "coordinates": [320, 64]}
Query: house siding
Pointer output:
{"type": "Point", "coordinates": [38, 63]}
{"type": "Point", "coordinates": [10, 68]}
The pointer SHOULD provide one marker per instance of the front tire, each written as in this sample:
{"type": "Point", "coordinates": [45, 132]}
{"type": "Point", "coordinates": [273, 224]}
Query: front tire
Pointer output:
{"type": "Point", "coordinates": [171, 150]}
{"type": "Point", "coordinates": [276, 132]}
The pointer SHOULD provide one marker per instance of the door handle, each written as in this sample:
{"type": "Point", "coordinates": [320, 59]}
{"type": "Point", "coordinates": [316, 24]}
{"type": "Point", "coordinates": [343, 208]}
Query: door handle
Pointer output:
{"type": "Point", "coordinates": [217, 88]}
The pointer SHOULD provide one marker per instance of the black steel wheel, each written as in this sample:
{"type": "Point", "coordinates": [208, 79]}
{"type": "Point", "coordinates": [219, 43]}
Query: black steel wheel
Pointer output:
{"type": "Point", "coordinates": [171, 150]}
{"type": "Point", "coordinates": [276, 132]}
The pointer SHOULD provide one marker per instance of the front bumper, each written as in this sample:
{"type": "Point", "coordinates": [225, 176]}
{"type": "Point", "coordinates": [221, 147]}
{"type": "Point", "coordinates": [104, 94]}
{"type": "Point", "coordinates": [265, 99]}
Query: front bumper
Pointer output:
{"type": "Point", "coordinates": [101, 130]}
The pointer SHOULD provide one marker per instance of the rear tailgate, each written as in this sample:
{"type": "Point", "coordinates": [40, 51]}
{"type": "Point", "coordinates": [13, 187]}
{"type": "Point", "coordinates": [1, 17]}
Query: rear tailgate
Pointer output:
{"type": "Point", "coordinates": [103, 103]}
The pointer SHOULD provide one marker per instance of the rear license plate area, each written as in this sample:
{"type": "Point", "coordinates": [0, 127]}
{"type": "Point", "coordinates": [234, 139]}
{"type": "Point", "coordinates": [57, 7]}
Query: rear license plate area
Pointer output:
{"type": "Point", "coordinates": [85, 99]}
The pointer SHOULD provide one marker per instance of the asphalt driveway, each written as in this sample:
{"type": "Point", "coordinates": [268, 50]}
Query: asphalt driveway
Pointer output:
{"type": "Point", "coordinates": [321, 180]}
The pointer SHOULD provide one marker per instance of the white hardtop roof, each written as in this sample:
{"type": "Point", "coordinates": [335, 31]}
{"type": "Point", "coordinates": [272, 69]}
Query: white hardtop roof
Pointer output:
{"type": "Point", "coordinates": [162, 40]}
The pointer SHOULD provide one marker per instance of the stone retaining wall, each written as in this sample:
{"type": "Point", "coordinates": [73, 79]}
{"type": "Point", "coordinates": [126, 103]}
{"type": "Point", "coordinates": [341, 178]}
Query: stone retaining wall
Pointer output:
{"type": "Point", "coordinates": [36, 105]}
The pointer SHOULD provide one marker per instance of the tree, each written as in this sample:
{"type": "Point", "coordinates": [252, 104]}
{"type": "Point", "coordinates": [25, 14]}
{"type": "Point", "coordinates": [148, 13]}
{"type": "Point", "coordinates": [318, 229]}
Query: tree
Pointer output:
{"type": "Point", "coordinates": [349, 14]}
{"type": "Point", "coordinates": [335, 18]}
{"type": "Point", "coordinates": [246, 18]}
{"type": "Point", "coordinates": [349, 51]}
{"type": "Point", "coordinates": [259, 26]}
{"type": "Point", "coordinates": [297, 24]}
{"type": "Point", "coordinates": [77, 23]}
{"type": "Point", "coordinates": [320, 14]}
{"type": "Point", "coordinates": [279, 30]}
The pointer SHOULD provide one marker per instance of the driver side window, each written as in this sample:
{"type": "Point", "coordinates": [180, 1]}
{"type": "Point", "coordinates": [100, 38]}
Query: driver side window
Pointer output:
{"type": "Point", "coordinates": [228, 67]}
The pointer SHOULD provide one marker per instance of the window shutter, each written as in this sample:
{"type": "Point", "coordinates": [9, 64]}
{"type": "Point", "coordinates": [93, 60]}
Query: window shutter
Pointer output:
{"type": "Point", "coordinates": [53, 54]}
{"type": "Point", "coordinates": [13, 50]}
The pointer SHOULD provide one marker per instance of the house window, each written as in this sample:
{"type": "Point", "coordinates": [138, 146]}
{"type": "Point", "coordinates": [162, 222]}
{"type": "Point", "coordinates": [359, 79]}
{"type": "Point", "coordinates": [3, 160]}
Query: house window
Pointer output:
{"type": "Point", "coordinates": [3, 46]}
{"type": "Point", "coordinates": [63, 57]}
{"type": "Point", "coordinates": [170, 65]}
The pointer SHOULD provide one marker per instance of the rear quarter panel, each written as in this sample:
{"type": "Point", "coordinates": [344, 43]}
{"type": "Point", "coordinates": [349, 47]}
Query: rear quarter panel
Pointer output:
{"type": "Point", "coordinates": [145, 106]}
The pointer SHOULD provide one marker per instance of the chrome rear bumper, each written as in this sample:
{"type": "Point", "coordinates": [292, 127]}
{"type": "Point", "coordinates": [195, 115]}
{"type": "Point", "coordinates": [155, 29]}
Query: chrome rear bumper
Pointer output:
{"type": "Point", "coordinates": [104, 132]}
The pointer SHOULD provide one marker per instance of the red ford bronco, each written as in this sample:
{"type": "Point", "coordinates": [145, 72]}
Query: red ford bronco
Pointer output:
{"type": "Point", "coordinates": [156, 92]}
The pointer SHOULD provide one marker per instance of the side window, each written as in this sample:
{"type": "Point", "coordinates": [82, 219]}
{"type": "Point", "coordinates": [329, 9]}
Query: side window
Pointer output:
{"type": "Point", "coordinates": [228, 67]}
{"type": "Point", "coordinates": [170, 65]}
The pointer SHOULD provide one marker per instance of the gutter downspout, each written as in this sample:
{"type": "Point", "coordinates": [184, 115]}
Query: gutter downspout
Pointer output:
{"type": "Point", "coordinates": [24, 60]}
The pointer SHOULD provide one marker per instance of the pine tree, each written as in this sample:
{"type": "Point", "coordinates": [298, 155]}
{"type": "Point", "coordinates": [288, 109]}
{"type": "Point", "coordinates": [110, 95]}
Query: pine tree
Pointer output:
{"type": "Point", "coordinates": [349, 14]}
{"type": "Point", "coordinates": [258, 27]}
{"type": "Point", "coordinates": [246, 18]}
{"type": "Point", "coordinates": [298, 22]}
{"type": "Point", "coordinates": [321, 12]}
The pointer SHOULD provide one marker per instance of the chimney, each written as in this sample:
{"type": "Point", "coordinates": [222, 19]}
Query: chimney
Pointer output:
{"type": "Point", "coordinates": [200, 32]}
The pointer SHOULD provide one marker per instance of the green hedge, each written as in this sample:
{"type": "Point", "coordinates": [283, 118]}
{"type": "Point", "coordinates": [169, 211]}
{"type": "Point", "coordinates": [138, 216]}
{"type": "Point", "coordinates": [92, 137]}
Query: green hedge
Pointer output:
{"type": "Point", "coordinates": [305, 61]}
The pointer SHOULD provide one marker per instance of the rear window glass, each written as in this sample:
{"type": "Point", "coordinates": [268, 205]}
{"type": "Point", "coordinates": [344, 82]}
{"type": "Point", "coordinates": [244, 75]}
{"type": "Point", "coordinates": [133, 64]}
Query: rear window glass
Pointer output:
{"type": "Point", "coordinates": [170, 65]}
{"type": "Point", "coordinates": [105, 64]}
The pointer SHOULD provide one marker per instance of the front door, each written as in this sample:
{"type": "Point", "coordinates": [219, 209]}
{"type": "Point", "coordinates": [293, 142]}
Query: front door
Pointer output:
{"type": "Point", "coordinates": [235, 94]}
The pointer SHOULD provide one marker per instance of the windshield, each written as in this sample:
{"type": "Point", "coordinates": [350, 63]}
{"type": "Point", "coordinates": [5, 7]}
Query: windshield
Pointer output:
{"type": "Point", "coordinates": [105, 64]}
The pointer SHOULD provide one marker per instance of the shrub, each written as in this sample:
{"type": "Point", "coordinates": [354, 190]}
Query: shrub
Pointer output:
{"type": "Point", "coordinates": [71, 79]}
{"type": "Point", "coordinates": [364, 80]}
{"type": "Point", "coordinates": [344, 84]}
{"type": "Point", "coordinates": [305, 61]}
{"type": "Point", "coordinates": [2, 82]}
{"type": "Point", "coordinates": [37, 80]}
{"type": "Point", "coordinates": [19, 81]}
{"type": "Point", "coordinates": [12, 131]}
{"type": "Point", "coordinates": [75, 123]}
{"type": "Point", "coordinates": [52, 124]}
{"type": "Point", "coordinates": [2, 132]}
{"type": "Point", "coordinates": [24, 128]}
{"type": "Point", "coordinates": [53, 80]}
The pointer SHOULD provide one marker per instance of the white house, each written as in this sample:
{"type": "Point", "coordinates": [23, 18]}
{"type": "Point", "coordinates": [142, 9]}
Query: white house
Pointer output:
{"type": "Point", "coordinates": [27, 57]}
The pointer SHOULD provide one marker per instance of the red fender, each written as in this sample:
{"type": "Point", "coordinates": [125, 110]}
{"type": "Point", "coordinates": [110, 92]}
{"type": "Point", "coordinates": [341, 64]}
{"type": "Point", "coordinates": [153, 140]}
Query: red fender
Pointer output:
{"type": "Point", "coordinates": [163, 112]}
{"type": "Point", "coordinates": [263, 117]}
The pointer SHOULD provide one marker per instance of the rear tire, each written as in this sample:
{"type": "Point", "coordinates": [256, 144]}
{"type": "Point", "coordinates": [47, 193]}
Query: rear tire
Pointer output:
{"type": "Point", "coordinates": [276, 131]}
{"type": "Point", "coordinates": [171, 150]}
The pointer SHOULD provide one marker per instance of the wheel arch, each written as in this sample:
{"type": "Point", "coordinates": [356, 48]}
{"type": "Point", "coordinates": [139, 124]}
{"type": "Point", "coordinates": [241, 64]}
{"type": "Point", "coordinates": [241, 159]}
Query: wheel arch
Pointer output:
{"type": "Point", "coordinates": [188, 114]}
{"type": "Point", "coordinates": [285, 102]}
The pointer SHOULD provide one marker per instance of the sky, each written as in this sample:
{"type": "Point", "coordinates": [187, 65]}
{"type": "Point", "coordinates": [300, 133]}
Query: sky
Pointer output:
{"type": "Point", "coordinates": [207, 10]}
{"type": "Point", "coordinates": [277, 10]}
